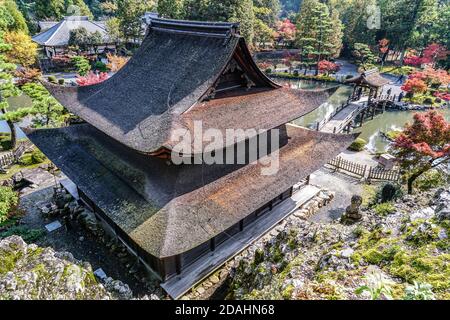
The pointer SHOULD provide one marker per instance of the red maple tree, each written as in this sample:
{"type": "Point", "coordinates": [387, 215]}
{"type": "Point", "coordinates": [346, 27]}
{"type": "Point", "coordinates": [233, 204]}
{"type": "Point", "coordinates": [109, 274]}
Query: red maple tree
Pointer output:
{"type": "Point", "coordinates": [423, 145]}
{"type": "Point", "coordinates": [328, 67]}
{"type": "Point", "coordinates": [92, 78]}
{"type": "Point", "coordinates": [415, 85]}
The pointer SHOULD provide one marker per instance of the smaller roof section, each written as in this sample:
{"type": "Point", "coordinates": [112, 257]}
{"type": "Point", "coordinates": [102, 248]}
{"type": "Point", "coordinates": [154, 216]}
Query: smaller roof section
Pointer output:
{"type": "Point", "coordinates": [58, 35]}
{"type": "Point", "coordinates": [45, 25]}
{"type": "Point", "coordinates": [371, 78]}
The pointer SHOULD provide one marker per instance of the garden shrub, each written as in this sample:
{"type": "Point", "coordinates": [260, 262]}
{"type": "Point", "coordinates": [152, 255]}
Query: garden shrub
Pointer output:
{"type": "Point", "coordinates": [431, 179]}
{"type": "Point", "coordinates": [393, 134]}
{"type": "Point", "coordinates": [5, 141]}
{"type": "Point", "coordinates": [296, 73]}
{"type": "Point", "coordinates": [52, 79]}
{"type": "Point", "coordinates": [8, 200]}
{"type": "Point", "coordinates": [268, 70]}
{"type": "Point", "coordinates": [100, 66]}
{"type": "Point", "coordinates": [27, 234]}
{"type": "Point", "coordinates": [349, 76]}
{"type": "Point", "coordinates": [81, 64]}
{"type": "Point", "coordinates": [61, 81]}
{"type": "Point", "coordinates": [358, 145]}
{"type": "Point", "coordinates": [428, 100]}
{"type": "Point", "coordinates": [383, 209]}
{"type": "Point", "coordinates": [387, 192]}
{"type": "Point", "coordinates": [37, 156]}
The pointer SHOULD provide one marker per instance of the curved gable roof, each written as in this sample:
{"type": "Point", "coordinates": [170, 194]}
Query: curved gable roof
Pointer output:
{"type": "Point", "coordinates": [177, 65]}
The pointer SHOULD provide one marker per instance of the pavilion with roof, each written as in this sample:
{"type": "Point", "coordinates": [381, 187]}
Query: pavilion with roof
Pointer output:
{"type": "Point", "coordinates": [54, 36]}
{"type": "Point", "coordinates": [370, 80]}
{"type": "Point", "coordinates": [176, 216]}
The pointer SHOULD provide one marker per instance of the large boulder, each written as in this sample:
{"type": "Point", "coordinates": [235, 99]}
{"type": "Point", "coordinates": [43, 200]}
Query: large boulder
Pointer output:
{"type": "Point", "coordinates": [31, 272]}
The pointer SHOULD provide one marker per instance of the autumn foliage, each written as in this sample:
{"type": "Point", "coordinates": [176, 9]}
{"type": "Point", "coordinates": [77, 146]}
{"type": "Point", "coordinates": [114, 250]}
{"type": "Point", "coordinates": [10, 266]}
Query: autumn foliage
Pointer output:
{"type": "Point", "coordinates": [115, 62]}
{"type": "Point", "coordinates": [415, 85]}
{"type": "Point", "coordinates": [432, 53]}
{"type": "Point", "coordinates": [92, 78]}
{"type": "Point", "coordinates": [423, 145]}
{"type": "Point", "coordinates": [286, 30]}
{"type": "Point", "coordinates": [26, 75]}
{"type": "Point", "coordinates": [328, 67]}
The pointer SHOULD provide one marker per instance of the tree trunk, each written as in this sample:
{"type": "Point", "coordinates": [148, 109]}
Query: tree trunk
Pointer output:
{"type": "Point", "coordinates": [413, 178]}
{"type": "Point", "coordinates": [13, 134]}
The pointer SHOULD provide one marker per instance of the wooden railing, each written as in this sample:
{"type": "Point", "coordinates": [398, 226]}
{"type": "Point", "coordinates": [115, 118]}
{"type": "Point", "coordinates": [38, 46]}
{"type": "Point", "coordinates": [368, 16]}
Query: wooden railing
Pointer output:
{"type": "Point", "coordinates": [321, 124]}
{"type": "Point", "coordinates": [365, 171]}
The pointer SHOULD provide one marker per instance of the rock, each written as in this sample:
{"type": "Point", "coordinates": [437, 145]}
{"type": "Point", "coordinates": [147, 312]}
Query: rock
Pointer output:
{"type": "Point", "coordinates": [42, 273]}
{"type": "Point", "coordinates": [442, 234]}
{"type": "Point", "coordinates": [201, 290]}
{"type": "Point", "coordinates": [425, 213]}
{"type": "Point", "coordinates": [214, 279]}
{"type": "Point", "coordinates": [347, 253]}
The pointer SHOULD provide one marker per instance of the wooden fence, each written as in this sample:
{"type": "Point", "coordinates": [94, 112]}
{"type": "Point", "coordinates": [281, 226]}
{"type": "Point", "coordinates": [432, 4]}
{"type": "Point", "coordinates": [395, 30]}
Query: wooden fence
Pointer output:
{"type": "Point", "coordinates": [12, 156]}
{"type": "Point", "coordinates": [364, 171]}
{"type": "Point", "coordinates": [382, 174]}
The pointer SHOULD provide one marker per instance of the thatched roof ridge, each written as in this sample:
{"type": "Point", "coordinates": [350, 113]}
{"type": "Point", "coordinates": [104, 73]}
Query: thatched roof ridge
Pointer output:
{"type": "Point", "coordinates": [168, 209]}
{"type": "Point", "coordinates": [170, 76]}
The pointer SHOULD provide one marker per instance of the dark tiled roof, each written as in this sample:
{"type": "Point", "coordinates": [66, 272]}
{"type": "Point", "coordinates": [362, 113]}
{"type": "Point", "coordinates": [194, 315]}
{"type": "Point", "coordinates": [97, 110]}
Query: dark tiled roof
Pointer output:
{"type": "Point", "coordinates": [164, 84]}
{"type": "Point", "coordinates": [371, 77]}
{"type": "Point", "coordinates": [58, 34]}
{"type": "Point", "coordinates": [168, 209]}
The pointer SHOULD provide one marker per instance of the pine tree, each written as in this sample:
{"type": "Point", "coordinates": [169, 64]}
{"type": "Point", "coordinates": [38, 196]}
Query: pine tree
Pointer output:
{"type": "Point", "coordinates": [314, 33]}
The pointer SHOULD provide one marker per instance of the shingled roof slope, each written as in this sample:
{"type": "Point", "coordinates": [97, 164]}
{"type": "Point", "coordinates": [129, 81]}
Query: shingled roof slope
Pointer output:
{"type": "Point", "coordinates": [192, 203]}
{"type": "Point", "coordinates": [168, 78]}
{"type": "Point", "coordinates": [58, 34]}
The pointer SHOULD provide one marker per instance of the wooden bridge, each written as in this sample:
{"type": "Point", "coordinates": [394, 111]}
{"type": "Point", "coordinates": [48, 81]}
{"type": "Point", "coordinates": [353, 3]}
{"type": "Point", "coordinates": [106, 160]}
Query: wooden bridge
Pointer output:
{"type": "Point", "coordinates": [345, 116]}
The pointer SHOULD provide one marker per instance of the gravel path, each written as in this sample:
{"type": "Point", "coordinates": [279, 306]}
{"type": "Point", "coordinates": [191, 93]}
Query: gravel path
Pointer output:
{"type": "Point", "coordinates": [344, 188]}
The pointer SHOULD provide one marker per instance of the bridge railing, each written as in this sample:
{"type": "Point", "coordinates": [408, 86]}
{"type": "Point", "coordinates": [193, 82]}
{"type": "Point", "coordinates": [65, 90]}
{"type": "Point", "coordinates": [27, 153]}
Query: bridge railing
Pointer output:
{"type": "Point", "coordinates": [321, 124]}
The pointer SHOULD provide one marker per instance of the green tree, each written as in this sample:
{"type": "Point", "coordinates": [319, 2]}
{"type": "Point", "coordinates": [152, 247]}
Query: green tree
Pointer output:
{"type": "Point", "coordinates": [47, 110]}
{"type": "Point", "coordinates": [314, 33]}
{"type": "Point", "coordinates": [77, 7]}
{"type": "Point", "coordinates": [173, 9]}
{"type": "Point", "coordinates": [364, 56]}
{"type": "Point", "coordinates": [81, 64]}
{"type": "Point", "coordinates": [79, 39]}
{"type": "Point", "coordinates": [49, 9]}
{"type": "Point", "coordinates": [337, 35]}
{"type": "Point", "coordinates": [7, 90]}
{"type": "Point", "coordinates": [354, 15]}
{"type": "Point", "coordinates": [11, 19]}
{"type": "Point", "coordinates": [129, 14]}
{"type": "Point", "coordinates": [113, 29]}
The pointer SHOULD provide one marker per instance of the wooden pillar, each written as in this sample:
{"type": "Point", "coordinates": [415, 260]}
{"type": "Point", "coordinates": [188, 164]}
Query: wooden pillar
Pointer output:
{"type": "Point", "coordinates": [212, 244]}
{"type": "Point", "coordinates": [241, 225]}
{"type": "Point", "coordinates": [178, 264]}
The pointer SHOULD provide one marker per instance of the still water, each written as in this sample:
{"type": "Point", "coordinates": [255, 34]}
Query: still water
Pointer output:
{"type": "Point", "coordinates": [371, 130]}
{"type": "Point", "coordinates": [14, 103]}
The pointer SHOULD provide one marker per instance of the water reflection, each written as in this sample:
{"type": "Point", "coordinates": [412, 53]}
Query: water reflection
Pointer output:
{"type": "Point", "coordinates": [371, 131]}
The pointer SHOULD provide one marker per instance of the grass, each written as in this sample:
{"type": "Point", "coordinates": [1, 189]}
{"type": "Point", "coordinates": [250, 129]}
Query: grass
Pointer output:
{"type": "Point", "coordinates": [17, 168]}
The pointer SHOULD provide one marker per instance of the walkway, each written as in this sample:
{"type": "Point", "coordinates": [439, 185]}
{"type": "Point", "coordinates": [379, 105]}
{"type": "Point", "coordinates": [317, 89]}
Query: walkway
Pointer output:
{"type": "Point", "coordinates": [338, 122]}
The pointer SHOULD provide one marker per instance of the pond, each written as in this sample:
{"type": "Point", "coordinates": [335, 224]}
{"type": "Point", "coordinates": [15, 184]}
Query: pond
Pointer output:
{"type": "Point", "coordinates": [14, 103]}
{"type": "Point", "coordinates": [371, 130]}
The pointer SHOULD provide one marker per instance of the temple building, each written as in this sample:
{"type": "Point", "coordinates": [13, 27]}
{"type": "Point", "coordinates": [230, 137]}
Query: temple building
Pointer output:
{"type": "Point", "coordinates": [182, 221]}
{"type": "Point", "coordinates": [54, 36]}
